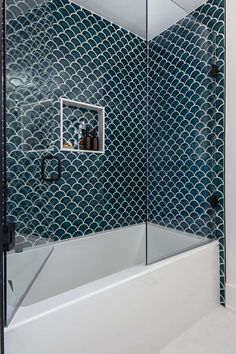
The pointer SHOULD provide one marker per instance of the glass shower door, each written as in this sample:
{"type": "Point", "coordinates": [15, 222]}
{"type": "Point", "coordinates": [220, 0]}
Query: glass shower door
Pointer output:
{"type": "Point", "coordinates": [31, 167]}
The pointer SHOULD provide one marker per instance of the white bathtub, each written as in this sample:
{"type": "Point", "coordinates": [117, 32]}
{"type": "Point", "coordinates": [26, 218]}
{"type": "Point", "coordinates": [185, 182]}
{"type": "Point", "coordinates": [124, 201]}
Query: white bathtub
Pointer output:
{"type": "Point", "coordinates": [95, 295]}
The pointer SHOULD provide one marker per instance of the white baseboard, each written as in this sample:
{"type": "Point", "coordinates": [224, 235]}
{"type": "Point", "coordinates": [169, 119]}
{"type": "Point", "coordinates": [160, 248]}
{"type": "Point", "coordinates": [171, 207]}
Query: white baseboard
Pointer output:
{"type": "Point", "coordinates": [231, 297]}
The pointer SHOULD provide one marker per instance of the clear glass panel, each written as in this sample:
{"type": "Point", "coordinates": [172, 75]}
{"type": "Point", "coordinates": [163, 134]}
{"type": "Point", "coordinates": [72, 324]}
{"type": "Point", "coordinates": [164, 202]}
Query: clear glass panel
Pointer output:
{"type": "Point", "coordinates": [30, 136]}
{"type": "Point", "coordinates": [182, 113]}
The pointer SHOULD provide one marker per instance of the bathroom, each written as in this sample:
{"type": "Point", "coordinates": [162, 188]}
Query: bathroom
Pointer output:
{"type": "Point", "coordinates": [117, 164]}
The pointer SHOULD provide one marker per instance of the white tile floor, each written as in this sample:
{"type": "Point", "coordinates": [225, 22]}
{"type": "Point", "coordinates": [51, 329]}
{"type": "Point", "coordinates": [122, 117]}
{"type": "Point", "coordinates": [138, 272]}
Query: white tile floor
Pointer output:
{"type": "Point", "coordinates": [214, 334]}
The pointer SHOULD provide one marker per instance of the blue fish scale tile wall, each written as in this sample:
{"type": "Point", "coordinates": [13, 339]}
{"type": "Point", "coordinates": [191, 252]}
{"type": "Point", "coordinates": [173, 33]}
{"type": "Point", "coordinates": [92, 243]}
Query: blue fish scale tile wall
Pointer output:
{"type": "Point", "coordinates": [58, 49]}
{"type": "Point", "coordinates": [186, 126]}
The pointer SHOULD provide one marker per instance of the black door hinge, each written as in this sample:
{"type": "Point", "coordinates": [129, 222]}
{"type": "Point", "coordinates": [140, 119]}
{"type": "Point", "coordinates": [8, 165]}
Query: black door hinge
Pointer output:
{"type": "Point", "coordinates": [214, 70]}
{"type": "Point", "coordinates": [214, 201]}
{"type": "Point", "coordinates": [9, 237]}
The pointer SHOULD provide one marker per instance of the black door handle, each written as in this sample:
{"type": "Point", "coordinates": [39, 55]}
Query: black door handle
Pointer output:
{"type": "Point", "coordinates": [53, 177]}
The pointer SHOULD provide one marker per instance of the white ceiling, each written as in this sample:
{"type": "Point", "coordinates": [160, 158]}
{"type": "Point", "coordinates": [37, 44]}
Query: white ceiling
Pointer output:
{"type": "Point", "coordinates": [189, 5]}
{"type": "Point", "coordinates": [131, 14]}
{"type": "Point", "coordinates": [162, 14]}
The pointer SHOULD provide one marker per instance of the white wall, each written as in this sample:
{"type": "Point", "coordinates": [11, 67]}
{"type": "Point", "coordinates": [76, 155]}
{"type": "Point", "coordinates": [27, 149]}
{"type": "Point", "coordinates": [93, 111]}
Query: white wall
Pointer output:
{"type": "Point", "coordinates": [231, 154]}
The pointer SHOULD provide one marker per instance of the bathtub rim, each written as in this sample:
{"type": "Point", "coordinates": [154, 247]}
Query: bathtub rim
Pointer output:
{"type": "Point", "coordinates": [27, 314]}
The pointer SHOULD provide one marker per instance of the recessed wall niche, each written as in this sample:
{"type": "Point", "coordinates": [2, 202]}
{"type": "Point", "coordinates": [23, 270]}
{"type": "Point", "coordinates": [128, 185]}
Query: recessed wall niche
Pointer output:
{"type": "Point", "coordinates": [78, 120]}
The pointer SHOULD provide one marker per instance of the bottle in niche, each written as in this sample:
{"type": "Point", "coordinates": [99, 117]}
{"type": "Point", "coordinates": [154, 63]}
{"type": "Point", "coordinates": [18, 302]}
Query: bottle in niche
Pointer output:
{"type": "Point", "coordinates": [87, 139]}
{"type": "Point", "coordinates": [94, 140]}
{"type": "Point", "coordinates": [82, 140]}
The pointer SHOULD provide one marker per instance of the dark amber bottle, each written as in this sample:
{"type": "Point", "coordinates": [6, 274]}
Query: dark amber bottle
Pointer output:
{"type": "Point", "coordinates": [81, 140]}
{"type": "Point", "coordinates": [94, 140]}
{"type": "Point", "coordinates": [87, 140]}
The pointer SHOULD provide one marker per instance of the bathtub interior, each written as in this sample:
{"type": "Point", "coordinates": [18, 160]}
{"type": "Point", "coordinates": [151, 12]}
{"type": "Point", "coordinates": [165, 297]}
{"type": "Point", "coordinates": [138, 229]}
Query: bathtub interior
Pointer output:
{"type": "Point", "coordinates": [163, 243]}
{"type": "Point", "coordinates": [83, 261]}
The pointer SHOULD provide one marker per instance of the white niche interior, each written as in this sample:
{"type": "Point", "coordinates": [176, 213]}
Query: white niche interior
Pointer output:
{"type": "Point", "coordinates": [75, 114]}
